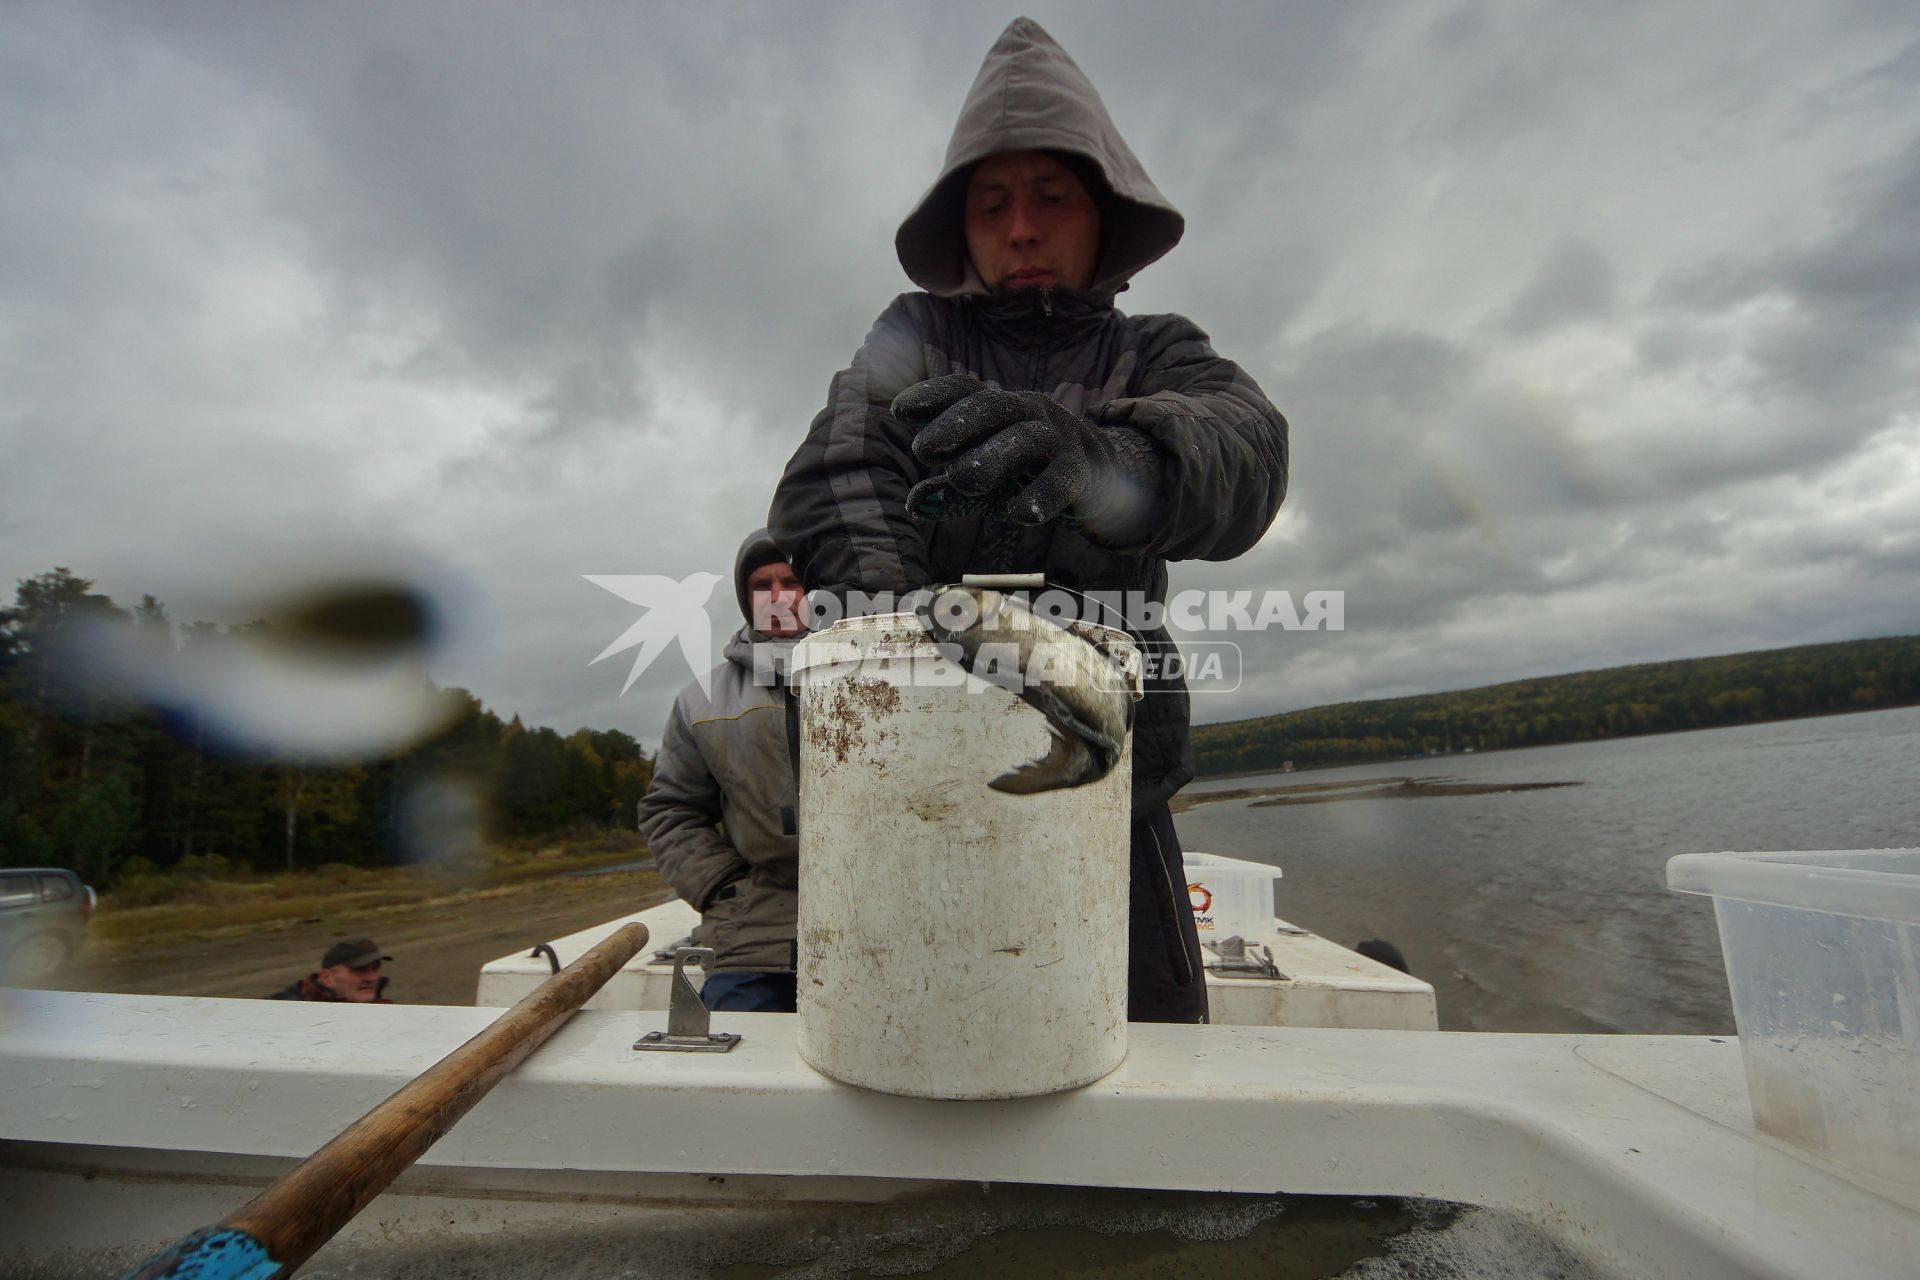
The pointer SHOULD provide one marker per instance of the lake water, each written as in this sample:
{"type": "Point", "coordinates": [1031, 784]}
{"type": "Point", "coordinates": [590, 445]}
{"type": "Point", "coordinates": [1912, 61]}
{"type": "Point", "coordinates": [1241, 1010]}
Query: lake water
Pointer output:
{"type": "Point", "coordinates": [1542, 910]}
{"type": "Point", "coordinates": [1548, 910]}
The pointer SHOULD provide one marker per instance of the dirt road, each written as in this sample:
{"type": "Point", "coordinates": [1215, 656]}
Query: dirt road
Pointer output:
{"type": "Point", "coordinates": [437, 949]}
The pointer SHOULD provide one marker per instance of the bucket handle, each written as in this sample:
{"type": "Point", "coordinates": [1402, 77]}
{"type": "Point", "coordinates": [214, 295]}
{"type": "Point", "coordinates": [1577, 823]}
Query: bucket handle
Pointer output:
{"type": "Point", "coordinates": [1038, 582]}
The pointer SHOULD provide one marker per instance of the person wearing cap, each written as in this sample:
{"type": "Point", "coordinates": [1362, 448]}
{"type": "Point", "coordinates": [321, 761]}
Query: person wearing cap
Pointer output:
{"type": "Point", "coordinates": [349, 971]}
{"type": "Point", "coordinates": [720, 813]}
{"type": "Point", "coordinates": [1009, 418]}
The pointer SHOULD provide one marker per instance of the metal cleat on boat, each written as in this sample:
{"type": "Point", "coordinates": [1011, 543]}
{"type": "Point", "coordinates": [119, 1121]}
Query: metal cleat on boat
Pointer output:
{"type": "Point", "coordinates": [688, 1018]}
{"type": "Point", "coordinates": [1238, 959]}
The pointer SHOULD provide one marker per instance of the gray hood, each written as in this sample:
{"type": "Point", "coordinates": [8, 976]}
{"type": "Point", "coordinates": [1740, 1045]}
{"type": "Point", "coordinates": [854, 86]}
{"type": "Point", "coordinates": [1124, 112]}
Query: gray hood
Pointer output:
{"type": "Point", "coordinates": [747, 645]}
{"type": "Point", "coordinates": [758, 549]}
{"type": "Point", "coordinates": [1029, 96]}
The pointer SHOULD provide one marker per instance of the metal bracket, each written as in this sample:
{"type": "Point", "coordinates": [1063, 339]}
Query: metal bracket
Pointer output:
{"type": "Point", "coordinates": [1238, 959]}
{"type": "Point", "coordinates": [687, 1017]}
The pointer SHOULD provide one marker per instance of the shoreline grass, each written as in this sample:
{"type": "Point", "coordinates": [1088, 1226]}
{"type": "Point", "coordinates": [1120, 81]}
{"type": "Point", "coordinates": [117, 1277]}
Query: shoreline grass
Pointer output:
{"type": "Point", "coordinates": [205, 900]}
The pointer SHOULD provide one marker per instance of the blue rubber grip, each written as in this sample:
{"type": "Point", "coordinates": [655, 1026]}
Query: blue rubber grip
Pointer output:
{"type": "Point", "coordinates": [211, 1253]}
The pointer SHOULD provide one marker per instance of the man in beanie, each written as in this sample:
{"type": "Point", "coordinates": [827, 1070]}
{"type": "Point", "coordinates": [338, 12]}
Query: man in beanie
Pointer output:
{"type": "Point", "coordinates": [349, 971]}
{"type": "Point", "coordinates": [1010, 419]}
{"type": "Point", "coordinates": [719, 815]}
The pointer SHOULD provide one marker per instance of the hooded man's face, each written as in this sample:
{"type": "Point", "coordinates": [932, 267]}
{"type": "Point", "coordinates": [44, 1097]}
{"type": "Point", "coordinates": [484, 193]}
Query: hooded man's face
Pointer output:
{"type": "Point", "coordinates": [779, 601]}
{"type": "Point", "coordinates": [1031, 223]}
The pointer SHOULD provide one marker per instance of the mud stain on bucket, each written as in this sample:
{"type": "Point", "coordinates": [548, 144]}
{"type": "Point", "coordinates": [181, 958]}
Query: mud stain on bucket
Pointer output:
{"type": "Point", "coordinates": [856, 706]}
{"type": "Point", "coordinates": [936, 804]}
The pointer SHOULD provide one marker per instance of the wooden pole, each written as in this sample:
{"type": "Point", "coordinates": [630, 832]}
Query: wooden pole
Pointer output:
{"type": "Point", "coordinates": [280, 1228]}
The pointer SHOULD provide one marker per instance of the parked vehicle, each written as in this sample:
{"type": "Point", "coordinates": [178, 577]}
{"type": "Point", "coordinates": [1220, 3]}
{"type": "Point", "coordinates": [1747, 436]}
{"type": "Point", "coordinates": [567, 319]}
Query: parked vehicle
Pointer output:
{"type": "Point", "coordinates": [44, 912]}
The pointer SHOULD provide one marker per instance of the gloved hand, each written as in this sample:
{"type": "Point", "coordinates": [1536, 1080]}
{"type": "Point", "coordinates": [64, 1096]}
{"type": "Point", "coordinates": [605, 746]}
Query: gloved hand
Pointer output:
{"type": "Point", "coordinates": [1025, 457]}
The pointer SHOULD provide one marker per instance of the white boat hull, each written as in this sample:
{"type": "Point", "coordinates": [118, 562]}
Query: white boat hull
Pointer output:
{"type": "Point", "coordinates": [1636, 1153]}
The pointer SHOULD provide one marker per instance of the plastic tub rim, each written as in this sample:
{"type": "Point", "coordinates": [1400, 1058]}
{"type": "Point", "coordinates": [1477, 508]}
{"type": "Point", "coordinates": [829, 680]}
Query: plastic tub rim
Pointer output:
{"type": "Point", "coordinates": [1801, 880]}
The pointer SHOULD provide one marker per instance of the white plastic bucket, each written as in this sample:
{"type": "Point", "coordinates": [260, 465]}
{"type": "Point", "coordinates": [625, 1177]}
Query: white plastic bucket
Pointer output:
{"type": "Point", "coordinates": [954, 941]}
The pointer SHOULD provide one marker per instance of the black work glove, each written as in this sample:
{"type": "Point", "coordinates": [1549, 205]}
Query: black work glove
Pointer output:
{"type": "Point", "coordinates": [1026, 458]}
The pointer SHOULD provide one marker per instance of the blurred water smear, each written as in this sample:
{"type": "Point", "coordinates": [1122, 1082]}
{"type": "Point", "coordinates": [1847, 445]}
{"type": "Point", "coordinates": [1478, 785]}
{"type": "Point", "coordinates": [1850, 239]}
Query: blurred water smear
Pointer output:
{"type": "Point", "coordinates": [328, 662]}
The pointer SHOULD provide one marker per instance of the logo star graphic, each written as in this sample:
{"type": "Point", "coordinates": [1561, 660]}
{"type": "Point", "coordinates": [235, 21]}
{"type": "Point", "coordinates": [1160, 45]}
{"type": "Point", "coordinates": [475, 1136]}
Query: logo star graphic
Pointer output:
{"type": "Point", "coordinates": [676, 609]}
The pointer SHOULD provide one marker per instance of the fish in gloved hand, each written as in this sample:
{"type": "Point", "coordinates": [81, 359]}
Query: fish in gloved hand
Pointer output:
{"type": "Point", "coordinates": [1084, 696]}
{"type": "Point", "coordinates": [1024, 457]}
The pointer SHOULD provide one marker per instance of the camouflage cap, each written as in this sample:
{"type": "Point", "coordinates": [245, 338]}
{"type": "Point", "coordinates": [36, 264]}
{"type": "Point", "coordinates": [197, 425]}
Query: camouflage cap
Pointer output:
{"type": "Point", "coordinates": [355, 953]}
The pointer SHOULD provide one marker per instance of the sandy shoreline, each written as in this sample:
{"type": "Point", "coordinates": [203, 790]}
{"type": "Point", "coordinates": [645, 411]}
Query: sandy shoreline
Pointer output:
{"type": "Point", "coordinates": [1396, 788]}
{"type": "Point", "coordinates": [437, 948]}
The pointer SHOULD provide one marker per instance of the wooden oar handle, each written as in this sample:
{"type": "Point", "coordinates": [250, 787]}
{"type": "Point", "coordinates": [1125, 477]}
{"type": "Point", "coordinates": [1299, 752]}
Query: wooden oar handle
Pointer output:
{"type": "Point", "coordinates": [281, 1227]}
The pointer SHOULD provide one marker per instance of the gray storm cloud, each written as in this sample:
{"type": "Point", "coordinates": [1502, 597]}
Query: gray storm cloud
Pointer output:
{"type": "Point", "coordinates": [1598, 336]}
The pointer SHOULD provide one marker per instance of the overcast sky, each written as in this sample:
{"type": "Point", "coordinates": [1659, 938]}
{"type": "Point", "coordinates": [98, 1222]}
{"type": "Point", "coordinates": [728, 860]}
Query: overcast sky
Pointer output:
{"type": "Point", "coordinates": [1598, 326]}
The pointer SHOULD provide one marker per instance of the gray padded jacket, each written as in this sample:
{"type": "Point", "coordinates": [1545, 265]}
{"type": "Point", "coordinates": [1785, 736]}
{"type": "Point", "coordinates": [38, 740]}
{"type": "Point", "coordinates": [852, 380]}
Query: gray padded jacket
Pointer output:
{"type": "Point", "coordinates": [840, 508]}
{"type": "Point", "coordinates": [719, 815]}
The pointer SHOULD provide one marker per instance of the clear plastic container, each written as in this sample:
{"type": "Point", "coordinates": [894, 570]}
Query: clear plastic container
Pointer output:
{"type": "Point", "coordinates": [1231, 897]}
{"type": "Point", "coordinates": [1823, 957]}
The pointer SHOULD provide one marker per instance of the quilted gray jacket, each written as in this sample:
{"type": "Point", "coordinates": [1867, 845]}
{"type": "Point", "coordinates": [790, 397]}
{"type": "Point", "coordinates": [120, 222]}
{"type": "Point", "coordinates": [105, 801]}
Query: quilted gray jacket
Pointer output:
{"type": "Point", "coordinates": [839, 510]}
{"type": "Point", "coordinates": [719, 816]}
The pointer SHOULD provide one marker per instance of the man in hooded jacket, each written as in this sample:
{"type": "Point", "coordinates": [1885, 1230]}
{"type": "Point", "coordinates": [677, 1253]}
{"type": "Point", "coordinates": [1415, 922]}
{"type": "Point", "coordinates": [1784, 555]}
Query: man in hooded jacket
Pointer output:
{"type": "Point", "coordinates": [1009, 419]}
{"type": "Point", "coordinates": [719, 816]}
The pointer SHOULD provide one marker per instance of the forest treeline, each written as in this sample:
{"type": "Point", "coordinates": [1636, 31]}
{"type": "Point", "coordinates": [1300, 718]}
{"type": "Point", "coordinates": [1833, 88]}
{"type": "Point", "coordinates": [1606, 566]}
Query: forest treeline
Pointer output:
{"type": "Point", "coordinates": [1655, 697]}
{"type": "Point", "coordinates": [106, 785]}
